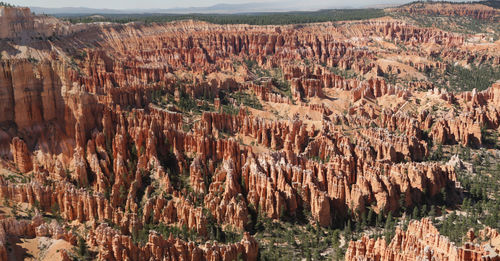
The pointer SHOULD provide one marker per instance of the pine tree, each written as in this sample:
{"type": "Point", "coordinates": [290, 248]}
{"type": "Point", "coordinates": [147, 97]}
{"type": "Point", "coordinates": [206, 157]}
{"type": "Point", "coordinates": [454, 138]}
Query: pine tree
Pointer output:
{"type": "Point", "coordinates": [317, 255]}
{"type": "Point", "coordinates": [347, 230]}
{"type": "Point", "coordinates": [82, 248]}
{"type": "Point", "coordinates": [363, 220]}
{"type": "Point", "coordinates": [443, 195]}
{"type": "Point", "coordinates": [402, 202]}
{"type": "Point", "coordinates": [388, 228]}
{"type": "Point", "coordinates": [432, 212]}
{"type": "Point", "coordinates": [378, 222]}
{"type": "Point", "coordinates": [318, 234]}
{"type": "Point", "coordinates": [370, 217]}
{"type": "Point", "coordinates": [308, 254]}
{"type": "Point", "coordinates": [388, 221]}
{"type": "Point", "coordinates": [415, 214]}
{"type": "Point", "coordinates": [423, 211]}
{"type": "Point", "coordinates": [335, 238]}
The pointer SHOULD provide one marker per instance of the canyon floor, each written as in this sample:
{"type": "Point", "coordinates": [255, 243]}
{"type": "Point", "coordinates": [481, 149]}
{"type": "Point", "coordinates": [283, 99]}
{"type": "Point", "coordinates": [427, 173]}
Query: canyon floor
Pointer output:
{"type": "Point", "coordinates": [370, 138]}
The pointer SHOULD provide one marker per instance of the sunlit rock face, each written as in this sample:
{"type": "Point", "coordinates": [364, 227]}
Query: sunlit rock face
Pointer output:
{"type": "Point", "coordinates": [422, 241]}
{"type": "Point", "coordinates": [202, 127]}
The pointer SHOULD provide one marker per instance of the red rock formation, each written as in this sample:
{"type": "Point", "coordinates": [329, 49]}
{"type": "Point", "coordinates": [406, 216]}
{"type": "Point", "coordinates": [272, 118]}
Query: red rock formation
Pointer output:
{"type": "Point", "coordinates": [10, 227]}
{"type": "Point", "coordinates": [476, 11]}
{"type": "Point", "coordinates": [21, 155]}
{"type": "Point", "coordinates": [27, 98]}
{"type": "Point", "coordinates": [107, 122]}
{"type": "Point", "coordinates": [142, 129]}
{"type": "Point", "coordinates": [114, 246]}
{"type": "Point", "coordinates": [20, 23]}
{"type": "Point", "coordinates": [421, 241]}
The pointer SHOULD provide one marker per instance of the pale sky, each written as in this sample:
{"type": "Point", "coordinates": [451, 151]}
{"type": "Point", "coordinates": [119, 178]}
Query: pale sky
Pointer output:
{"type": "Point", "coordinates": [145, 4]}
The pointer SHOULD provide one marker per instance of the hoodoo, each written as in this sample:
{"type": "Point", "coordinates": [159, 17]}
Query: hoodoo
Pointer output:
{"type": "Point", "coordinates": [371, 134]}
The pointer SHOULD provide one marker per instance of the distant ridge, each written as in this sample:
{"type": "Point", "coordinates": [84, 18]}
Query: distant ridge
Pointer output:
{"type": "Point", "coordinates": [243, 8]}
{"type": "Point", "coordinates": [218, 8]}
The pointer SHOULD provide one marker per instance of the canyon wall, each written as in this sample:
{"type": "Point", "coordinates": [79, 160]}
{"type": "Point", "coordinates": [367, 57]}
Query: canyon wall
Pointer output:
{"type": "Point", "coordinates": [476, 11]}
{"type": "Point", "coordinates": [20, 23]}
{"type": "Point", "coordinates": [131, 126]}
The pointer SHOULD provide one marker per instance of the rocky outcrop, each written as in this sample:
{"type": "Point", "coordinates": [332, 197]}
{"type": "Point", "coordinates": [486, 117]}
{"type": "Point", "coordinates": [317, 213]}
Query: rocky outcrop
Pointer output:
{"type": "Point", "coordinates": [39, 106]}
{"type": "Point", "coordinates": [31, 93]}
{"type": "Point", "coordinates": [114, 246]}
{"type": "Point", "coordinates": [139, 126]}
{"type": "Point", "coordinates": [11, 227]}
{"type": "Point", "coordinates": [111, 85]}
{"type": "Point", "coordinates": [21, 155]}
{"type": "Point", "coordinates": [476, 11]}
{"type": "Point", "coordinates": [21, 23]}
{"type": "Point", "coordinates": [176, 211]}
{"type": "Point", "coordinates": [421, 241]}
